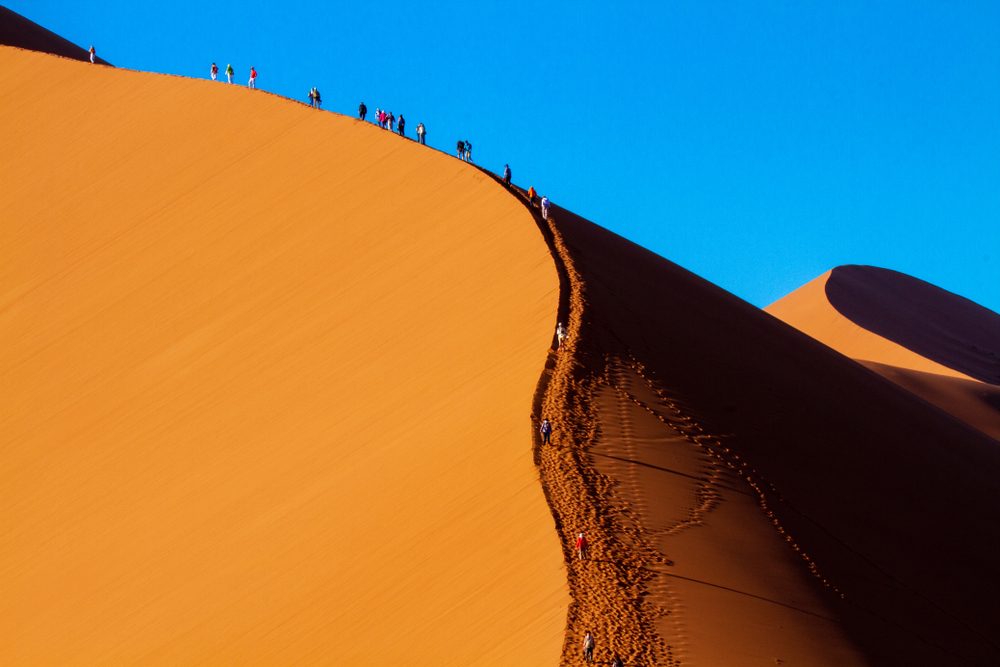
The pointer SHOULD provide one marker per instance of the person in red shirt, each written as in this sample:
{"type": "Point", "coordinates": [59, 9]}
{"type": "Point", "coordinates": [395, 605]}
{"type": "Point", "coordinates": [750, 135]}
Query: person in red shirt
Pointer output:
{"type": "Point", "coordinates": [93, 55]}
{"type": "Point", "coordinates": [581, 547]}
{"type": "Point", "coordinates": [253, 78]}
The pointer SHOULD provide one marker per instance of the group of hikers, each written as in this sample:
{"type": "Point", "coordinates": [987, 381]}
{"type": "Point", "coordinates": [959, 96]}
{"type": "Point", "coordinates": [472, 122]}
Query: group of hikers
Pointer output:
{"type": "Point", "coordinates": [465, 150]}
{"type": "Point", "coordinates": [582, 546]}
{"type": "Point", "coordinates": [213, 72]}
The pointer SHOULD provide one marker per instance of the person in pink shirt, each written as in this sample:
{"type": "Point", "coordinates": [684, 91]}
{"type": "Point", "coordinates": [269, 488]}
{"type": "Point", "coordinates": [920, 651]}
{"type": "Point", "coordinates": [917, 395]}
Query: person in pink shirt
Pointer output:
{"type": "Point", "coordinates": [253, 78]}
{"type": "Point", "coordinates": [581, 547]}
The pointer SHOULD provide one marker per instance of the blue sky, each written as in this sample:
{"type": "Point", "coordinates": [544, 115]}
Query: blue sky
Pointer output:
{"type": "Point", "coordinates": [756, 143]}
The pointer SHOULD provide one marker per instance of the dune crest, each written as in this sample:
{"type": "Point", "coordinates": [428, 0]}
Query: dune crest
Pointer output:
{"type": "Point", "coordinates": [267, 374]}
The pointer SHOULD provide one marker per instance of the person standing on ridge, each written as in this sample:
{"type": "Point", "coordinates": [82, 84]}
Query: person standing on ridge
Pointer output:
{"type": "Point", "coordinates": [392, 122]}
{"type": "Point", "coordinates": [312, 97]}
{"type": "Point", "coordinates": [316, 96]}
{"type": "Point", "coordinates": [546, 431]}
{"type": "Point", "coordinates": [581, 547]}
{"type": "Point", "coordinates": [561, 335]}
{"type": "Point", "coordinates": [421, 133]}
{"type": "Point", "coordinates": [532, 195]}
{"type": "Point", "coordinates": [93, 54]}
{"type": "Point", "coordinates": [588, 647]}
{"type": "Point", "coordinates": [362, 111]}
{"type": "Point", "coordinates": [229, 73]}
{"type": "Point", "coordinates": [506, 175]}
{"type": "Point", "coordinates": [461, 149]}
{"type": "Point", "coordinates": [214, 72]}
{"type": "Point", "coordinates": [252, 83]}
{"type": "Point", "coordinates": [468, 151]}
{"type": "Point", "coordinates": [402, 126]}
{"type": "Point", "coordinates": [545, 208]}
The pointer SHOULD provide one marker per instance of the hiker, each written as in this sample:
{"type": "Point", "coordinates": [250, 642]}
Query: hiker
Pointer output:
{"type": "Point", "coordinates": [617, 662]}
{"type": "Point", "coordinates": [93, 54]}
{"type": "Point", "coordinates": [588, 647]}
{"type": "Point", "coordinates": [546, 430]}
{"type": "Point", "coordinates": [312, 97]}
{"type": "Point", "coordinates": [461, 149]}
{"type": "Point", "coordinates": [362, 111]}
{"type": "Point", "coordinates": [230, 72]}
{"type": "Point", "coordinates": [581, 547]}
{"type": "Point", "coordinates": [561, 335]}
{"type": "Point", "coordinates": [252, 83]}
{"type": "Point", "coordinates": [506, 175]}
{"type": "Point", "coordinates": [545, 208]}
{"type": "Point", "coordinates": [531, 195]}
{"type": "Point", "coordinates": [319, 99]}
{"type": "Point", "coordinates": [214, 72]}
{"type": "Point", "coordinates": [402, 126]}
{"type": "Point", "coordinates": [421, 133]}
{"type": "Point", "coordinates": [468, 151]}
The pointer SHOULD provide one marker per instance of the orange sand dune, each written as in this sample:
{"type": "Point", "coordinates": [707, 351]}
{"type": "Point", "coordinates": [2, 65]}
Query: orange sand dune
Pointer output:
{"type": "Point", "coordinates": [928, 341]}
{"type": "Point", "coordinates": [754, 497]}
{"type": "Point", "coordinates": [888, 317]}
{"type": "Point", "coordinates": [266, 375]}
{"type": "Point", "coordinates": [16, 30]}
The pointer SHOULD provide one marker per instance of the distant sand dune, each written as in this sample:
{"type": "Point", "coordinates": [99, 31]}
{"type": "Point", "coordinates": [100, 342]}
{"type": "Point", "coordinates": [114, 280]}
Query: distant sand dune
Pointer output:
{"type": "Point", "coordinates": [935, 344]}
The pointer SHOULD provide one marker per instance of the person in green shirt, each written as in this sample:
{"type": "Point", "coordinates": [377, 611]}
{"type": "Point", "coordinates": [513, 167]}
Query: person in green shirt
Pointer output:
{"type": "Point", "coordinates": [229, 73]}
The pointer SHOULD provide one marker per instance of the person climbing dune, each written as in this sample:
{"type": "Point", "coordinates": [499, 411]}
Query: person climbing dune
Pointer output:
{"type": "Point", "coordinates": [545, 429]}
{"type": "Point", "coordinates": [588, 647]}
{"type": "Point", "coordinates": [561, 335]}
{"type": "Point", "coordinates": [545, 208]}
{"type": "Point", "coordinates": [506, 175]}
{"type": "Point", "coordinates": [532, 195]}
{"type": "Point", "coordinates": [582, 547]}
{"type": "Point", "coordinates": [214, 72]}
{"type": "Point", "coordinates": [229, 73]}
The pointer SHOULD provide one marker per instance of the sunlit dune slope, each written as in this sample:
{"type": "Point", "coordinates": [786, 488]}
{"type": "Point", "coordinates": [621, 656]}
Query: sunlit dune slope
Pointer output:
{"type": "Point", "coordinates": [787, 505]}
{"type": "Point", "coordinates": [888, 317]}
{"type": "Point", "coordinates": [16, 30]}
{"type": "Point", "coordinates": [266, 375]}
{"type": "Point", "coordinates": [925, 339]}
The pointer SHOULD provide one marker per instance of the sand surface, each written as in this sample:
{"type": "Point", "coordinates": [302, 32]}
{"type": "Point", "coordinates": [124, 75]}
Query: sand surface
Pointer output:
{"type": "Point", "coordinates": [759, 498]}
{"type": "Point", "coordinates": [266, 375]}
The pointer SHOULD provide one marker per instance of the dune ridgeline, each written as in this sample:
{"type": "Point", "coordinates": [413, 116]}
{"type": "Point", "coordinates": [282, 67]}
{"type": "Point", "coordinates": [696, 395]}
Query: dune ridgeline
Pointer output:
{"type": "Point", "coordinates": [933, 343]}
{"type": "Point", "coordinates": [272, 379]}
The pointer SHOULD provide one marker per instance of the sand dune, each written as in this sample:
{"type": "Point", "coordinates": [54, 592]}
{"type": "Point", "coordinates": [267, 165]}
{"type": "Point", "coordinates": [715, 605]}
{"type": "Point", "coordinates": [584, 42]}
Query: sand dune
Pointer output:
{"type": "Point", "coordinates": [935, 344]}
{"type": "Point", "coordinates": [266, 376]}
{"type": "Point", "coordinates": [759, 498]}
{"type": "Point", "coordinates": [888, 317]}
{"type": "Point", "coordinates": [16, 30]}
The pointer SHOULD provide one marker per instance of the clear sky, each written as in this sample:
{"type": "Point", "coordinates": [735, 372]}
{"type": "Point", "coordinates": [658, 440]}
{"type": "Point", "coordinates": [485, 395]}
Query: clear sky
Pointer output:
{"type": "Point", "coordinates": [756, 143]}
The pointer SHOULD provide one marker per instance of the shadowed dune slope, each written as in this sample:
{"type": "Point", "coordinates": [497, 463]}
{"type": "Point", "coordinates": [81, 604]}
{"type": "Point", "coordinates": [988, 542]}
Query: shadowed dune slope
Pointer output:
{"type": "Point", "coordinates": [975, 403]}
{"type": "Point", "coordinates": [790, 504]}
{"type": "Point", "coordinates": [891, 318]}
{"type": "Point", "coordinates": [928, 341]}
{"type": "Point", "coordinates": [266, 375]}
{"type": "Point", "coordinates": [16, 30]}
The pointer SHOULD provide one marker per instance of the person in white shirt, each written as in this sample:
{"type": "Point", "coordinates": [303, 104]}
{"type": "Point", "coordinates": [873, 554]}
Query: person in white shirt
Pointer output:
{"type": "Point", "coordinates": [545, 208]}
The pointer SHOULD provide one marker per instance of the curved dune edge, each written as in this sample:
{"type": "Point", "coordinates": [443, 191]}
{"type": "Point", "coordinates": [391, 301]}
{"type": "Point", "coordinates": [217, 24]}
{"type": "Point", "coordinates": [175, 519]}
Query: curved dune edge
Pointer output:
{"type": "Point", "coordinates": [770, 490]}
{"type": "Point", "coordinates": [621, 593]}
{"type": "Point", "coordinates": [264, 379]}
{"type": "Point", "coordinates": [809, 310]}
